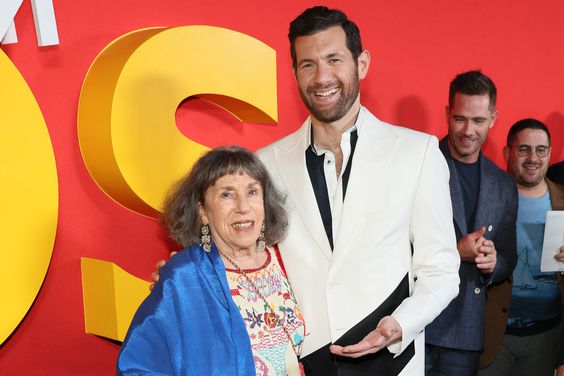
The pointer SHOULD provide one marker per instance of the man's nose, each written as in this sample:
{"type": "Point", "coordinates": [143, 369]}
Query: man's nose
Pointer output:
{"type": "Point", "coordinates": [532, 156]}
{"type": "Point", "coordinates": [468, 127]}
{"type": "Point", "coordinates": [322, 74]}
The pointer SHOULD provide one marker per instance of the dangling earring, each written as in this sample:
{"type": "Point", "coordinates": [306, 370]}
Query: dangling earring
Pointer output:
{"type": "Point", "coordinates": [205, 238]}
{"type": "Point", "coordinates": [261, 244]}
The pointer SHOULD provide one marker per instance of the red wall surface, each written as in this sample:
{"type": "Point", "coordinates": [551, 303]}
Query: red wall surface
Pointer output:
{"type": "Point", "coordinates": [417, 47]}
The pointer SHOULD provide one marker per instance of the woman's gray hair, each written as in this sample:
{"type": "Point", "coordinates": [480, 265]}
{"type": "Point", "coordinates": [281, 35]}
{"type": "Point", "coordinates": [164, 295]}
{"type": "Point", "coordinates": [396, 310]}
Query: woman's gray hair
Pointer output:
{"type": "Point", "coordinates": [180, 209]}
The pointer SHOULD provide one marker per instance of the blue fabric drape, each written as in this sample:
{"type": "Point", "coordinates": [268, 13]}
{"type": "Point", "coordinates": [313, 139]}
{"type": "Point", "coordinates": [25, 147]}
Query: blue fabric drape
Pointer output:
{"type": "Point", "coordinates": [189, 324]}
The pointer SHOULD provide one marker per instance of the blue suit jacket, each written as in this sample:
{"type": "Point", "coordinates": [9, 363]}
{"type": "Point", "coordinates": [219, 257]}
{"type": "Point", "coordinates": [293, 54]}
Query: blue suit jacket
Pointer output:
{"type": "Point", "coordinates": [189, 324]}
{"type": "Point", "coordinates": [461, 325]}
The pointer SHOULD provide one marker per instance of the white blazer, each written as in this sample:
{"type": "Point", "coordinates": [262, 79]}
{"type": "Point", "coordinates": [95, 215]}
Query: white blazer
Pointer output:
{"type": "Point", "coordinates": [397, 195]}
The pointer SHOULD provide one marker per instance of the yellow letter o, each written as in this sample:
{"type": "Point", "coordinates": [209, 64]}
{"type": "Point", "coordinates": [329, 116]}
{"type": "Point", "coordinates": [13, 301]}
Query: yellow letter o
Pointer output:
{"type": "Point", "coordinates": [29, 200]}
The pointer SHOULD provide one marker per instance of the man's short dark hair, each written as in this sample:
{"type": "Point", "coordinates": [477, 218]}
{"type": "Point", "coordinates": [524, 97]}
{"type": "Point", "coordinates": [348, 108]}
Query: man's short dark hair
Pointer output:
{"type": "Point", "coordinates": [472, 83]}
{"type": "Point", "coordinates": [526, 124]}
{"type": "Point", "coordinates": [320, 18]}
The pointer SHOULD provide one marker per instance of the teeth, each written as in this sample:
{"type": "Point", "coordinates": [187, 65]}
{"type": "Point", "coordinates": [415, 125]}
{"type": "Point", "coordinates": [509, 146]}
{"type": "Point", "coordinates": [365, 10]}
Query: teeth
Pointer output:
{"type": "Point", "coordinates": [326, 93]}
{"type": "Point", "coordinates": [242, 225]}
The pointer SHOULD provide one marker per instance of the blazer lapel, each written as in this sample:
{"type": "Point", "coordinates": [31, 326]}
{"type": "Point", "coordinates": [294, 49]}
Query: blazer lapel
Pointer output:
{"type": "Point", "coordinates": [374, 151]}
{"type": "Point", "coordinates": [486, 200]}
{"type": "Point", "coordinates": [290, 162]}
{"type": "Point", "coordinates": [455, 191]}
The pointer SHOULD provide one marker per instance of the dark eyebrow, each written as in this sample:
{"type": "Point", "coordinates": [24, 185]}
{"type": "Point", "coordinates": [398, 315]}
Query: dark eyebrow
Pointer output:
{"type": "Point", "coordinates": [333, 54]}
{"type": "Point", "coordinates": [530, 146]}
{"type": "Point", "coordinates": [305, 61]}
{"type": "Point", "coordinates": [473, 118]}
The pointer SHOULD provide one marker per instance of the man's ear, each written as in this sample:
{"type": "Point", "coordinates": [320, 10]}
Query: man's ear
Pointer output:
{"type": "Point", "coordinates": [506, 151]}
{"type": "Point", "coordinates": [494, 118]}
{"type": "Point", "coordinates": [447, 114]}
{"type": "Point", "coordinates": [363, 63]}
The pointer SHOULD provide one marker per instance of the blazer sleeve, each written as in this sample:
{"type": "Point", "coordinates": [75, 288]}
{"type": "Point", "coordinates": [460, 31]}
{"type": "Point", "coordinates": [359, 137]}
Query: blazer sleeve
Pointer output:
{"type": "Point", "coordinates": [506, 243]}
{"type": "Point", "coordinates": [561, 348]}
{"type": "Point", "coordinates": [435, 261]}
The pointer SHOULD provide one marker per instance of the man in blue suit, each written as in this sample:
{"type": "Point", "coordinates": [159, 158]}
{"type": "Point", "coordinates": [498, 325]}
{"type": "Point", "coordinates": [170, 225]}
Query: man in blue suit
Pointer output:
{"type": "Point", "coordinates": [484, 200]}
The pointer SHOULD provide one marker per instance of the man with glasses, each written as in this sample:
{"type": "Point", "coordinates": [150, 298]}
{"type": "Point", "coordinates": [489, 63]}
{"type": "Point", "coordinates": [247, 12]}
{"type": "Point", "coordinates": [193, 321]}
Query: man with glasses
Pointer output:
{"type": "Point", "coordinates": [530, 344]}
{"type": "Point", "coordinates": [484, 200]}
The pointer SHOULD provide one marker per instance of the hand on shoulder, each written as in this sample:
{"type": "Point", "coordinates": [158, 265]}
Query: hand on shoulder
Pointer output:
{"type": "Point", "coordinates": [159, 265]}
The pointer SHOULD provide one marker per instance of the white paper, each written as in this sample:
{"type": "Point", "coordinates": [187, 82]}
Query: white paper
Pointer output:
{"type": "Point", "coordinates": [553, 240]}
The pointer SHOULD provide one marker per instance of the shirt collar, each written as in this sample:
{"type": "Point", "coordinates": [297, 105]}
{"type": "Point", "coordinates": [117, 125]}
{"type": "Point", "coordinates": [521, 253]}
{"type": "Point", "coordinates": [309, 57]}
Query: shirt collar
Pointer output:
{"type": "Point", "coordinates": [310, 142]}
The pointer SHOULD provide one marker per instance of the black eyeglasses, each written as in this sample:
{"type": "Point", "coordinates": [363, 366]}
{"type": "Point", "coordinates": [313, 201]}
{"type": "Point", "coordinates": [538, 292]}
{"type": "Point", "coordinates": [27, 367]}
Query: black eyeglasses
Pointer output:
{"type": "Point", "coordinates": [525, 150]}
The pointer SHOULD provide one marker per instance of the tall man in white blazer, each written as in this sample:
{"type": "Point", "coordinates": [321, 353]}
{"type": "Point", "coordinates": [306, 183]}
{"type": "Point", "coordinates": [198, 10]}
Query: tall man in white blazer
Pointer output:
{"type": "Point", "coordinates": [371, 250]}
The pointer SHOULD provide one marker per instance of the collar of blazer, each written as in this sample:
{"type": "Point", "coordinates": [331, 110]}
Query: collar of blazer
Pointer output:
{"type": "Point", "coordinates": [455, 191]}
{"type": "Point", "coordinates": [487, 192]}
{"type": "Point", "coordinates": [373, 152]}
{"type": "Point", "coordinates": [556, 195]}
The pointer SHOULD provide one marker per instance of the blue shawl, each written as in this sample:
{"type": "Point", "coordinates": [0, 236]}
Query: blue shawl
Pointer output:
{"type": "Point", "coordinates": [189, 324]}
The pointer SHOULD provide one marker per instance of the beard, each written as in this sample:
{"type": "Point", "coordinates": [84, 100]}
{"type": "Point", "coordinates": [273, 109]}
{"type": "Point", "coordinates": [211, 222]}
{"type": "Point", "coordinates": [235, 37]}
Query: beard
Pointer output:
{"type": "Point", "coordinates": [526, 180]}
{"type": "Point", "coordinates": [461, 151]}
{"type": "Point", "coordinates": [348, 95]}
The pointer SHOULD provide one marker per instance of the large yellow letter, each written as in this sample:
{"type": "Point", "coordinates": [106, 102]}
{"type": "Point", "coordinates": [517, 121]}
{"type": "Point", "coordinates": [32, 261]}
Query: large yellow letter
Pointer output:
{"type": "Point", "coordinates": [29, 198]}
{"type": "Point", "coordinates": [126, 120]}
{"type": "Point", "coordinates": [127, 130]}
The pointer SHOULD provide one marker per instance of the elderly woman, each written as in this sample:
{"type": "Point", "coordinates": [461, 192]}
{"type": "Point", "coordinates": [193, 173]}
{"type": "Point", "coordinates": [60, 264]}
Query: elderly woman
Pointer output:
{"type": "Point", "coordinates": [223, 305]}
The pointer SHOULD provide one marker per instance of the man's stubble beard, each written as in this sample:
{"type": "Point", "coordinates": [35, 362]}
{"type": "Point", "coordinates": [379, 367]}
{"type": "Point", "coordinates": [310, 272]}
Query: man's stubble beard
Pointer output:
{"type": "Point", "coordinates": [339, 109]}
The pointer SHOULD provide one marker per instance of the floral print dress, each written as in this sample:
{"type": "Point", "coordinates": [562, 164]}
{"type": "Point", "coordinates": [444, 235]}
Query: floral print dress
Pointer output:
{"type": "Point", "coordinates": [268, 331]}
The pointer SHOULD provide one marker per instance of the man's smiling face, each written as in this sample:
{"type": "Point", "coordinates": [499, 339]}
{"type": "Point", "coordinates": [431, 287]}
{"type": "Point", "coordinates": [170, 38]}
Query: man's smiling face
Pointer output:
{"type": "Point", "coordinates": [528, 170]}
{"type": "Point", "coordinates": [327, 74]}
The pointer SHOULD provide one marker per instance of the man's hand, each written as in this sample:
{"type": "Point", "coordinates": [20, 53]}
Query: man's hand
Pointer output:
{"type": "Point", "coordinates": [487, 258]}
{"type": "Point", "coordinates": [155, 274]}
{"type": "Point", "coordinates": [469, 246]}
{"type": "Point", "coordinates": [387, 331]}
{"type": "Point", "coordinates": [559, 256]}
{"type": "Point", "coordinates": [560, 369]}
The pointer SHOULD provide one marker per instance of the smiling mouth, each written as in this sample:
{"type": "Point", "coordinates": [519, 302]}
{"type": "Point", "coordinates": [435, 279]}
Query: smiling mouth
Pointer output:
{"type": "Point", "coordinates": [531, 167]}
{"type": "Point", "coordinates": [243, 225]}
{"type": "Point", "coordinates": [325, 93]}
{"type": "Point", "coordinates": [467, 140]}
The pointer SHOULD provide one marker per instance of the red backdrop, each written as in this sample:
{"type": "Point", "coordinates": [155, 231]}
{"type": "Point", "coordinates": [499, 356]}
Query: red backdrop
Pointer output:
{"type": "Point", "coordinates": [416, 47]}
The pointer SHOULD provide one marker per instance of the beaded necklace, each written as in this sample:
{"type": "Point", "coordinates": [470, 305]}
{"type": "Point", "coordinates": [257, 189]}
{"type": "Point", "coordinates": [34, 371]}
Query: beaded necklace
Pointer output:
{"type": "Point", "coordinates": [277, 318]}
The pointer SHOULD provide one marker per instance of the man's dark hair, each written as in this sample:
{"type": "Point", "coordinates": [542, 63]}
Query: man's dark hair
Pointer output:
{"type": "Point", "coordinates": [472, 83]}
{"type": "Point", "coordinates": [320, 18]}
{"type": "Point", "coordinates": [526, 124]}
{"type": "Point", "coordinates": [556, 173]}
